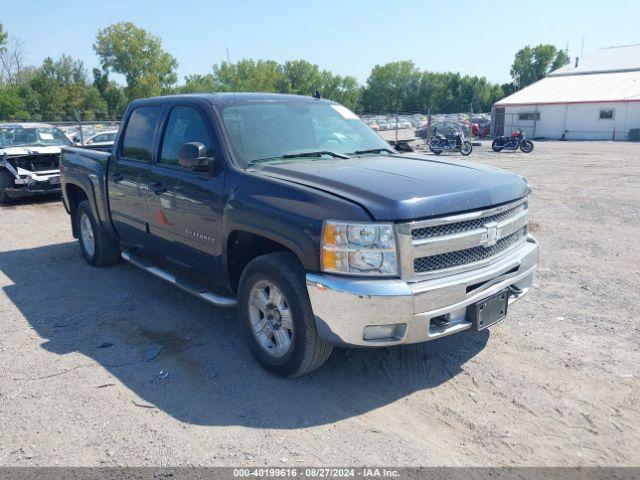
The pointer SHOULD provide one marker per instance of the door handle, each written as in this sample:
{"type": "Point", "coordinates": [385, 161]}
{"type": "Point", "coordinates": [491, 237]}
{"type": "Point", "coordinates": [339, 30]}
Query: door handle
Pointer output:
{"type": "Point", "coordinates": [116, 177]}
{"type": "Point", "coordinates": [158, 188]}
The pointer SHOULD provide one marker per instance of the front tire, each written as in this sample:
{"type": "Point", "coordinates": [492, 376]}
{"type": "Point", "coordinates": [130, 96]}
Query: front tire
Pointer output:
{"type": "Point", "coordinates": [277, 318]}
{"type": "Point", "coordinates": [466, 148]}
{"type": "Point", "coordinates": [98, 247]}
{"type": "Point", "coordinates": [495, 147]}
{"type": "Point", "coordinates": [526, 146]}
{"type": "Point", "coordinates": [6, 181]}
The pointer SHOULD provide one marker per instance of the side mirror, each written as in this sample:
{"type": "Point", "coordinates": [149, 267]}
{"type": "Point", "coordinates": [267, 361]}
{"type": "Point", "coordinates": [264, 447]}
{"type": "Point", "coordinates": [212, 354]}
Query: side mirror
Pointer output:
{"type": "Point", "coordinates": [401, 145]}
{"type": "Point", "coordinates": [193, 155]}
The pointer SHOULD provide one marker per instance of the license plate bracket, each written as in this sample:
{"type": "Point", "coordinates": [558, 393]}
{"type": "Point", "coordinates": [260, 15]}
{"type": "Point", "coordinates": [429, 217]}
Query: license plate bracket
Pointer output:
{"type": "Point", "coordinates": [491, 310]}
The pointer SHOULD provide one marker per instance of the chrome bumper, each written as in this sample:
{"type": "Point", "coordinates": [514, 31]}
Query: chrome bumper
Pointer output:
{"type": "Point", "coordinates": [344, 306]}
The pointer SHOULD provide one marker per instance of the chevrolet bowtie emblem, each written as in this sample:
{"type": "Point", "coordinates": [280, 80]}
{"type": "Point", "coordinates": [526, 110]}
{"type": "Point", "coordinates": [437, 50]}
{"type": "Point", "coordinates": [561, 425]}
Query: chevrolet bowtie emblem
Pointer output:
{"type": "Point", "coordinates": [491, 235]}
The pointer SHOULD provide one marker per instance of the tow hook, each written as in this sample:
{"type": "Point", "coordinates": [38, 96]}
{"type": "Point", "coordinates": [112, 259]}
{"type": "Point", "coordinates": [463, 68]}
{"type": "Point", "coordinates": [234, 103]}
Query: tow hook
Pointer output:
{"type": "Point", "coordinates": [514, 291]}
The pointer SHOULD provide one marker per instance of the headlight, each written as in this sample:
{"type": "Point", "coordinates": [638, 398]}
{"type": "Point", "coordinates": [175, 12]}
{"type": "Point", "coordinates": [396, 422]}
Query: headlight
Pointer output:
{"type": "Point", "coordinates": [359, 248]}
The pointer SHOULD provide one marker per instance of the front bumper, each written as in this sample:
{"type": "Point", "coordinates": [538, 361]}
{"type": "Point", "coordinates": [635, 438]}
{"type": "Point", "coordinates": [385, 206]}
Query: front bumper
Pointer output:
{"type": "Point", "coordinates": [32, 183]}
{"type": "Point", "coordinates": [430, 309]}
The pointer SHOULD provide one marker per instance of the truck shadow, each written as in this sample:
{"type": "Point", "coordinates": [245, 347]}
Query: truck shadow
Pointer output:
{"type": "Point", "coordinates": [182, 356]}
{"type": "Point", "coordinates": [32, 200]}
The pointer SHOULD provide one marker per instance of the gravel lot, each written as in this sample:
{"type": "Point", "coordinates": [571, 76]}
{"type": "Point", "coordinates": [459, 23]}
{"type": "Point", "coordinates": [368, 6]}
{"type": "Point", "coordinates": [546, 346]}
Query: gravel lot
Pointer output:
{"type": "Point", "coordinates": [557, 383]}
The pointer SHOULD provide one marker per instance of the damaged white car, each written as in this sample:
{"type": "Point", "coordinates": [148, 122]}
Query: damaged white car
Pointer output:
{"type": "Point", "coordinates": [30, 159]}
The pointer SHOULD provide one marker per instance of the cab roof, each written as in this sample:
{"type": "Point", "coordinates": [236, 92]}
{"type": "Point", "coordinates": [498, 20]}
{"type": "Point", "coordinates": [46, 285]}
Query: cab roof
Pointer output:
{"type": "Point", "coordinates": [227, 98]}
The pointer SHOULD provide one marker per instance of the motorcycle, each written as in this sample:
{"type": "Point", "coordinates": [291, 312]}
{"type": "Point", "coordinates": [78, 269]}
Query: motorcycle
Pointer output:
{"type": "Point", "coordinates": [450, 143]}
{"type": "Point", "coordinates": [515, 141]}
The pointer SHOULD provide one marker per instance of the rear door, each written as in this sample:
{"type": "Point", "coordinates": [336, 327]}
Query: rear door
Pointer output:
{"type": "Point", "coordinates": [184, 206]}
{"type": "Point", "coordinates": [128, 173]}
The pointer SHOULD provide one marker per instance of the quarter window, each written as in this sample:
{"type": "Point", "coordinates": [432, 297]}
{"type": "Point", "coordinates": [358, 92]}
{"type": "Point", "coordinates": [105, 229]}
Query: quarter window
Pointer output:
{"type": "Point", "coordinates": [185, 125]}
{"type": "Point", "coordinates": [138, 137]}
{"type": "Point", "coordinates": [607, 114]}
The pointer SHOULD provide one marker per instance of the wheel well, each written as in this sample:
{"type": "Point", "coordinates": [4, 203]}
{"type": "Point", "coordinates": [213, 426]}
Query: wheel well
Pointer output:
{"type": "Point", "coordinates": [242, 247]}
{"type": "Point", "coordinates": [75, 195]}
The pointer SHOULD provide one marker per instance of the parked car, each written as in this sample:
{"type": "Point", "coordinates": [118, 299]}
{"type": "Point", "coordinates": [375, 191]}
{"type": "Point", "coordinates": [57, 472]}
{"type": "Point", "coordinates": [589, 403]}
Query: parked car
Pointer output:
{"type": "Point", "coordinates": [104, 138]}
{"type": "Point", "coordinates": [30, 159]}
{"type": "Point", "coordinates": [294, 210]}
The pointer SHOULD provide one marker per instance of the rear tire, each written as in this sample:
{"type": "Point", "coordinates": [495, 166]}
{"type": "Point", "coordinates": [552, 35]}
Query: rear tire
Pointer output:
{"type": "Point", "coordinates": [98, 247]}
{"type": "Point", "coordinates": [275, 283]}
{"type": "Point", "coordinates": [526, 146]}
{"type": "Point", "coordinates": [6, 181]}
{"type": "Point", "coordinates": [433, 150]}
{"type": "Point", "coordinates": [495, 147]}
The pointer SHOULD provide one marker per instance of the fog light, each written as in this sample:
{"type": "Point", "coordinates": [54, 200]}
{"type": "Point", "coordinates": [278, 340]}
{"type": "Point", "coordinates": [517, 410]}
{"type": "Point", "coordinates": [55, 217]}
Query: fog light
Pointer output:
{"type": "Point", "coordinates": [384, 332]}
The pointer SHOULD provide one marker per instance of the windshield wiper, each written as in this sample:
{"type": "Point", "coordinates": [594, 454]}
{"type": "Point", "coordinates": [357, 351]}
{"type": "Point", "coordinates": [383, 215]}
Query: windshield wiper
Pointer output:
{"type": "Point", "coordinates": [317, 153]}
{"type": "Point", "coordinates": [373, 150]}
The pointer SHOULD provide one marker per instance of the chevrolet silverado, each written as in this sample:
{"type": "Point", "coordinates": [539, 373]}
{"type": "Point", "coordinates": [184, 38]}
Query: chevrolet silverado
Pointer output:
{"type": "Point", "coordinates": [295, 211]}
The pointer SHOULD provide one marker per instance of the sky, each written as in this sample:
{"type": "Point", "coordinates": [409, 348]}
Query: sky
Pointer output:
{"type": "Point", "coordinates": [347, 37]}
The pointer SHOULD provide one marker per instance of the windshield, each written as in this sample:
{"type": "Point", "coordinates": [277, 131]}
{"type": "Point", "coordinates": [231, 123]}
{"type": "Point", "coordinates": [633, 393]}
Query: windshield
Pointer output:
{"type": "Point", "coordinates": [32, 136]}
{"type": "Point", "coordinates": [271, 130]}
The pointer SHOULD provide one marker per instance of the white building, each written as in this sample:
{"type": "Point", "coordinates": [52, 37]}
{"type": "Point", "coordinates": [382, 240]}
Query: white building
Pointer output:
{"type": "Point", "coordinates": [598, 98]}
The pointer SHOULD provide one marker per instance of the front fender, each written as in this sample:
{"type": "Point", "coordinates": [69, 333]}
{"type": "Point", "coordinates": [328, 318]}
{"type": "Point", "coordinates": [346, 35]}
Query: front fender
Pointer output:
{"type": "Point", "coordinates": [286, 213]}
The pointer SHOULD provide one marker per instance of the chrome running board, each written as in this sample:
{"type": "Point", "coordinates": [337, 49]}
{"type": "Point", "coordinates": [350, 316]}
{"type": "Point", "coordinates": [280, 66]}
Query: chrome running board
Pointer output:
{"type": "Point", "coordinates": [181, 283]}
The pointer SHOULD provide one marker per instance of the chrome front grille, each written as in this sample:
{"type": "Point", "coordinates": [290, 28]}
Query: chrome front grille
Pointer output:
{"type": "Point", "coordinates": [461, 242]}
{"type": "Point", "coordinates": [470, 255]}
{"type": "Point", "coordinates": [451, 228]}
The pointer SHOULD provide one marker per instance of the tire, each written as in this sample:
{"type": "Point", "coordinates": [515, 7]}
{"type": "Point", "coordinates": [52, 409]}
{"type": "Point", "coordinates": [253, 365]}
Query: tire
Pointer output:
{"type": "Point", "coordinates": [306, 350]}
{"type": "Point", "coordinates": [526, 146]}
{"type": "Point", "coordinates": [433, 150]}
{"type": "Point", "coordinates": [6, 181]}
{"type": "Point", "coordinates": [106, 249]}
{"type": "Point", "coordinates": [495, 147]}
{"type": "Point", "coordinates": [466, 148]}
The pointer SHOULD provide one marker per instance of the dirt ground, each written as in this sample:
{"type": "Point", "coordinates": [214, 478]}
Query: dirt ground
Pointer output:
{"type": "Point", "coordinates": [556, 383]}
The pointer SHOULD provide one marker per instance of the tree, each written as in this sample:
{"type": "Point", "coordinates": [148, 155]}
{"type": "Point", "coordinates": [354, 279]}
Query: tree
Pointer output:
{"type": "Point", "coordinates": [138, 55]}
{"type": "Point", "coordinates": [112, 94]}
{"type": "Point", "coordinates": [11, 57]}
{"type": "Point", "coordinates": [60, 91]}
{"type": "Point", "coordinates": [533, 64]}
{"type": "Point", "coordinates": [4, 37]}
{"type": "Point", "coordinates": [296, 77]}
{"type": "Point", "coordinates": [198, 83]}
{"type": "Point", "coordinates": [389, 86]}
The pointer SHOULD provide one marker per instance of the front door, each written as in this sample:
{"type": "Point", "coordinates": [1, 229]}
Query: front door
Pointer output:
{"type": "Point", "coordinates": [184, 206]}
{"type": "Point", "coordinates": [128, 174]}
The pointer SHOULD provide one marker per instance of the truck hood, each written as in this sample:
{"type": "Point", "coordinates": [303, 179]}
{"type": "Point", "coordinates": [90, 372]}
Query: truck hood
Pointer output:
{"type": "Point", "coordinates": [35, 150]}
{"type": "Point", "coordinates": [406, 187]}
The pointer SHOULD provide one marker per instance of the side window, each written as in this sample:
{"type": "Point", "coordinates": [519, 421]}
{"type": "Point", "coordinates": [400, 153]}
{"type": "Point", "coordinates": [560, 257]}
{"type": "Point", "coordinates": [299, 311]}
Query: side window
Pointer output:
{"type": "Point", "coordinates": [606, 114]}
{"type": "Point", "coordinates": [138, 137]}
{"type": "Point", "coordinates": [185, 125]}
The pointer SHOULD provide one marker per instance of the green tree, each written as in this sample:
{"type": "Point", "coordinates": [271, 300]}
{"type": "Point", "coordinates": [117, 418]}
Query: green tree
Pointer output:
{"type": "Point", "coordinates": [138, 55]}
{"type": "Point", "coordinates": [247, 76]}
{"type": "Point", "coordinates": [60, 90]}
{"type": "Point", "coordinates": [112, 94]}
{"type": "Point", "coordinates": [532, 64]}
{"type": "Point", "coordinates": [198, 83]}
{"type": "Point", "coordinates": [295, 77]}
{"type": "Point", "coordinates": [4, 38]}
{"type": "Point", "coordinates": [389, 87]}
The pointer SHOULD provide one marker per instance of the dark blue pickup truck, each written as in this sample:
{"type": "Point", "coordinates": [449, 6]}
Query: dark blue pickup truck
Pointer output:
{"type": "Point", "coordinates": [294, 210]}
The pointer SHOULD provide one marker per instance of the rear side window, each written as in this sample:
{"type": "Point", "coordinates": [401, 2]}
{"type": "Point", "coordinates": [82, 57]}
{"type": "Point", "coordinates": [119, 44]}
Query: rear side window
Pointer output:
{"type": "Point", "coordinates": [138, 137]}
